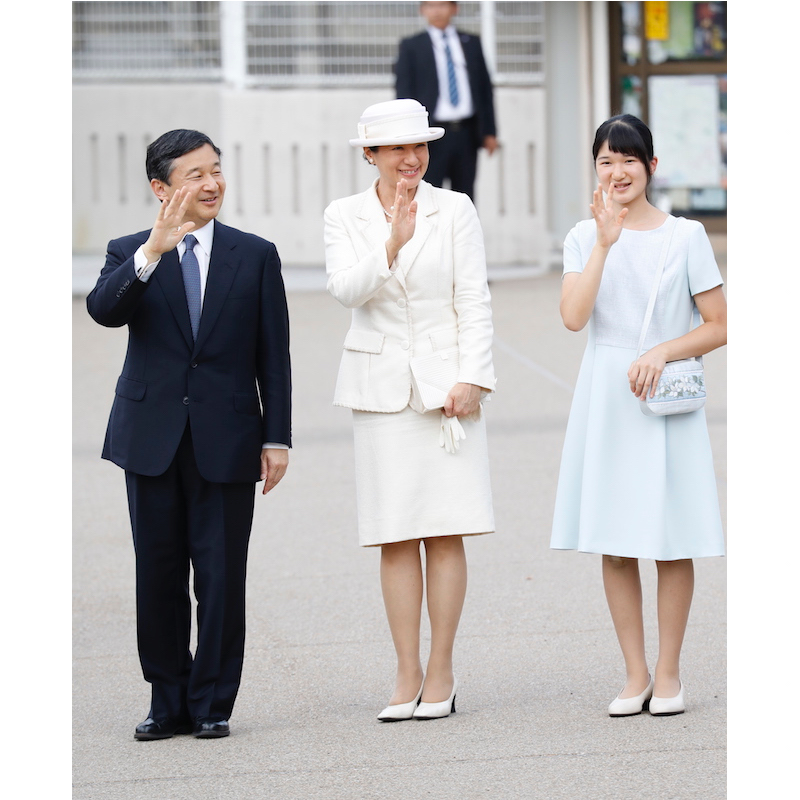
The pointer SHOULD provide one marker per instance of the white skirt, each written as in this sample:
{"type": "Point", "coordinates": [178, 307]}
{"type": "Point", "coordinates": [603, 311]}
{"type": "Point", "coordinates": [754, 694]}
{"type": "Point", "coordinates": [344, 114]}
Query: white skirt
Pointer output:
{"type": "Point", "coordinates": [409, 487]}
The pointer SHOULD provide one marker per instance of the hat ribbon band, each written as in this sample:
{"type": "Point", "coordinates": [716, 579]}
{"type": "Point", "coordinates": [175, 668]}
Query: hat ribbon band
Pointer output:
{"type": "Point", "coordinates": [394, 127]}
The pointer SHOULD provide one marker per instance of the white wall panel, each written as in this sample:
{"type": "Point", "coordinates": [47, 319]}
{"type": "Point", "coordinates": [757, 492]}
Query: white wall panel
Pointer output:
{"type": "Point", "coordinates": [285, 156]}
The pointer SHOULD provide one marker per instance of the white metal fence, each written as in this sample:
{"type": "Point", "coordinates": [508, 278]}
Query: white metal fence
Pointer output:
{"type": "Point", "coordinates": [289, 44]}
{"type": "Point", "coordinates": [141, 68]}
{"type": "Point", "coordinates": [146, 41]}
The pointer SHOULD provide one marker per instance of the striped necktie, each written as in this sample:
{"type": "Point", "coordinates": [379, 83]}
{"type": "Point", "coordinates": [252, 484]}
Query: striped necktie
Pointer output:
{"type": "Point", "coordinates": [191, 281]}
{"type": "Point", "coordinates": [451, 72]}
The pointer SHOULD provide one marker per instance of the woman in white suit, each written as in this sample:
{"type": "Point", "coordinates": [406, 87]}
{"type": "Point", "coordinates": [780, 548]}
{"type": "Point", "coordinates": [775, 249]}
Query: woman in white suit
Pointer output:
{"type": "Point", "coordinates": [408, 259]}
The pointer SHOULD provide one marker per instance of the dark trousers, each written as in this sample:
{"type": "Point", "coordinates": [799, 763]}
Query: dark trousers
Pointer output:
{"type": "Point", "coordinates": [179, 519]}
{"type": "Point", "coordinates": [454, 157]}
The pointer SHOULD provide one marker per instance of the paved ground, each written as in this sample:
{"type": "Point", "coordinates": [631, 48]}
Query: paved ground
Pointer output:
{"type": "Point", "coordinates": [536, 656]}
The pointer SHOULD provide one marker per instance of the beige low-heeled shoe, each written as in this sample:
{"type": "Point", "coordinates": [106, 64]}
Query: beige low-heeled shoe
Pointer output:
{"type": "Point", "coordinates": [668, 706]}
{"type": "Point", "coordinates": [630, 706]}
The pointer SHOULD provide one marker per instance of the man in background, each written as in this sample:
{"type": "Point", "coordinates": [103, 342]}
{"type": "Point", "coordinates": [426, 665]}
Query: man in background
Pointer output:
{"type": "Point", "coordinates": [444, 69]}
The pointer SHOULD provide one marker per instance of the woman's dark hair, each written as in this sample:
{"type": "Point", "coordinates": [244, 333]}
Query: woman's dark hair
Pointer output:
{"type": "Point", "coordinates": [628, 135]}
{"type": "Point", "coordinates": [171, 145]}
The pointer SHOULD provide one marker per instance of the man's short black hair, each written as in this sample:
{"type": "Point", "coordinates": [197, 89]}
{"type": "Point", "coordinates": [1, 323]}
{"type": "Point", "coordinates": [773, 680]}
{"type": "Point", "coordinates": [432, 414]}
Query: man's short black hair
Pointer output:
{"type": "Point", "coordinates": [162, 153]}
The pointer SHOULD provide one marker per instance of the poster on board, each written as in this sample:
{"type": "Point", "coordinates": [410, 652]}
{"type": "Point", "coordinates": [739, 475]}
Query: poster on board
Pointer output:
{"type": "Point", "coordinates": [684, 119]}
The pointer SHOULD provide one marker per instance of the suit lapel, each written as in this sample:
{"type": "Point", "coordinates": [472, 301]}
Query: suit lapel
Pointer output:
{"type": "Point", "coordinates": [372, 223]}
{"type": "Point", "coordinates": [221, 271]}
{"type": "Point", "coordinates": [426, 209]}
{"type": "Point", "coordinates": [169, 277]}
{"type": "Point", "coordinates": [427, 66]}
{"type": "Point", "coordinates": [469, 58]}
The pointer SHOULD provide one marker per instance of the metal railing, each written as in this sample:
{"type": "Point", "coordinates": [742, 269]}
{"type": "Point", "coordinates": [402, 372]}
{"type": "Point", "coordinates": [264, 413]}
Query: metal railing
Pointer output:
{"type": "Point", "coordinates": [289, 44]}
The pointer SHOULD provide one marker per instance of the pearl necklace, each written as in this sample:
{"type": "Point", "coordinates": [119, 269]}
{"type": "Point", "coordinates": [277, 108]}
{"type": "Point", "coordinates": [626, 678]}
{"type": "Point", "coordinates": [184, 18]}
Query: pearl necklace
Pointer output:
{"type": "Point", "coordinates": [383, 207]}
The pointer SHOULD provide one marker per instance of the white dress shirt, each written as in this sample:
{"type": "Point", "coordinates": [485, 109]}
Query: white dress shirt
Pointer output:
{"type": "Point", "coordinates": [445, 111]}
{"type": "Point", "coordinates": [202, 251]}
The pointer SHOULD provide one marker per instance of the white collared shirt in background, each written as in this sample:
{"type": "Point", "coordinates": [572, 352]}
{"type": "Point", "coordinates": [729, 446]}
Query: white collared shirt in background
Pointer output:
{"type": "Point", "coordinates": [445, 111]}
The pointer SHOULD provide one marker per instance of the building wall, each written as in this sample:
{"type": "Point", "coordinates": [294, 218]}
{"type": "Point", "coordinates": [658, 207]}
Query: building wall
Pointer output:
{"type": "Point", "coordinates": [285, 156]}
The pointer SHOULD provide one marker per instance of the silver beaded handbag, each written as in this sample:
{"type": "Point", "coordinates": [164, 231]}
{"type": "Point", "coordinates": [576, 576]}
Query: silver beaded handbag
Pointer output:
{"type": "Point", "coordinates": [681, 388]}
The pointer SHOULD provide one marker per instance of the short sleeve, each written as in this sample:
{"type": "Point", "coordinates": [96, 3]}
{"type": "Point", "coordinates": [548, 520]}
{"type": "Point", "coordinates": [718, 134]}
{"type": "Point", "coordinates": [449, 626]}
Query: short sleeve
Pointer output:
{"type": "Point", "coordinates": [703, 271]}
{"type": "Point", "coordinates": [573, 259]}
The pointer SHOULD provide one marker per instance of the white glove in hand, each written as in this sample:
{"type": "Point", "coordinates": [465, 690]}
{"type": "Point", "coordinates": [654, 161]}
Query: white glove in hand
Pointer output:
{"type": "Point", "coordinates": [451, 434]}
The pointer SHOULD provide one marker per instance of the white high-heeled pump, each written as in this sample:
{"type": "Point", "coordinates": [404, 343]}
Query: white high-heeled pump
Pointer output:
{"type": "Point", "coordinates": [438, 710]}
{"type": "Point", "coordinates": [667, 706]}
{"type": "Point", "coordinates": [630, 706]}
{"type": "Point", "coordinates": [401, 711]}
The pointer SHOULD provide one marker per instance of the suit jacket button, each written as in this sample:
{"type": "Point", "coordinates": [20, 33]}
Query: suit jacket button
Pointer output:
{"type": "Point", "coordinates": [186, 401]}
{"type": "Point", "coordinates": [193, 365]}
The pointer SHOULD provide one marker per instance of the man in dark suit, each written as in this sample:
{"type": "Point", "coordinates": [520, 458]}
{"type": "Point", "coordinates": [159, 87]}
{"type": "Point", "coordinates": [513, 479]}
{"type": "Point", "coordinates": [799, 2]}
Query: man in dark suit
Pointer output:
{"type": "Point", "coordinates": [201, 413]}
{"type": "Point", "coordinates": [444, 69]}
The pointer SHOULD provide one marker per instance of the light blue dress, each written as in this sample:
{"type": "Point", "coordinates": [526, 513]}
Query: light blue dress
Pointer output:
{"type": "Point", "coordinates": [632, 485]}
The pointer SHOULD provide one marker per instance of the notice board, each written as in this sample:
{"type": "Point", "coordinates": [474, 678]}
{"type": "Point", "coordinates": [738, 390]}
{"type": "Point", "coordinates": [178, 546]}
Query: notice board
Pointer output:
{"type": "Point", "coordinates": [685, 121]}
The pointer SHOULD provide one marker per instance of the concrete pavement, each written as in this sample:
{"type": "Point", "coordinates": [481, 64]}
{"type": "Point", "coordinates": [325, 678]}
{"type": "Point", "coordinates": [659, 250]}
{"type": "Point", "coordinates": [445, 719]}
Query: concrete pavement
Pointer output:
{"type": "Point", "coordinates": [536, 657]}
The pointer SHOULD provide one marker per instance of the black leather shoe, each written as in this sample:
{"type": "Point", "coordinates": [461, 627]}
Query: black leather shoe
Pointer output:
{"type": "Point", "coordinates": [211, 730]}
{"type": "Point", "coordinates": [165, 729]}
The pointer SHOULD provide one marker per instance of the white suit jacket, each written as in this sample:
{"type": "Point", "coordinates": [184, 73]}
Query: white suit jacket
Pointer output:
{"type": "Point", "coordinates": [434, 296]}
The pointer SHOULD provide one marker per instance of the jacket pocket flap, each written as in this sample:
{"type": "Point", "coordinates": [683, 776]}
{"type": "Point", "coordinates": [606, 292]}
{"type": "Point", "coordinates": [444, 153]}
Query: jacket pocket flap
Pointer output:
{"type": "Point", "coordinates": [130, 389]}
{"type": "Point", "coordinates": [444, 338]}
{"type": "Point", "coordinates": [364, 341]}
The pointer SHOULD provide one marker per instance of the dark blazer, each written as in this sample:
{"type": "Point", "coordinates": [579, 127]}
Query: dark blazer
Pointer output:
{"type": "Point", "coordinates": [415, 71]}
{"type": "Point", "coordinates": [233, 384]}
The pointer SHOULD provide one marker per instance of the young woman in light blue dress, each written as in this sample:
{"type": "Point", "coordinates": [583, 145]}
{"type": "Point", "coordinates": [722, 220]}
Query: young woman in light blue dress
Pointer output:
{"type": "Point", "coordinates": [633, 486]}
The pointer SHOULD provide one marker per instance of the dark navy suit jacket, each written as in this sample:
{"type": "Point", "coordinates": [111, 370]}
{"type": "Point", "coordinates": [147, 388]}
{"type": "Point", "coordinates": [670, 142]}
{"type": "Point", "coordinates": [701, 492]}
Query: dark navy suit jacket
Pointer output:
{"type": "Point", "coordinates": [233, 384]}
{"type": "Point", "coordinates": [415, 71]}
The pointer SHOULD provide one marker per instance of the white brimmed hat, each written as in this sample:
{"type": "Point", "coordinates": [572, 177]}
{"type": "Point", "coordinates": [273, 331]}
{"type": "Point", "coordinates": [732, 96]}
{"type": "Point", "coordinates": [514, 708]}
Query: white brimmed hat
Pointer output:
{"type": "Point", "coordinates": [395, 122]}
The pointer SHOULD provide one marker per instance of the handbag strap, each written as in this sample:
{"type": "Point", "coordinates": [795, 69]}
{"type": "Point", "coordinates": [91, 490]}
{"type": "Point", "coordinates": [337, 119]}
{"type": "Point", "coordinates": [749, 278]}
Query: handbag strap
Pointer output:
{"type": "Point", "coordinates": [671, 223]}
